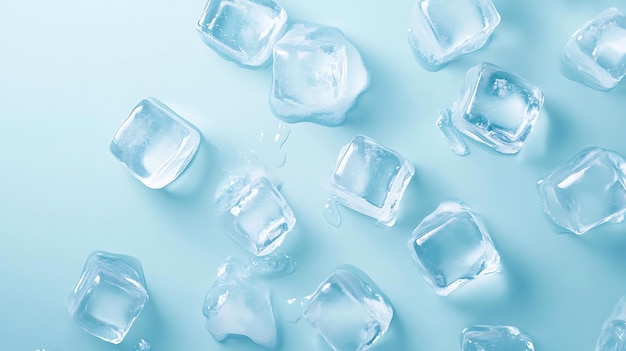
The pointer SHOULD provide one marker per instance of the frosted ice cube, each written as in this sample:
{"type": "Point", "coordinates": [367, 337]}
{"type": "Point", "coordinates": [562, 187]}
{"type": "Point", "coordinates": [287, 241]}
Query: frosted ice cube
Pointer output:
{"type": "Point", "coordinates": [370, 178]}
{"type": "Point", "coordinates": [109, 295]}
{"type": "Point", "coordinates": [443, 30]}
{"type": "Point", "coordinates": [595, 55]}
{"type": "Point", "coordinates": [452, 248]}
{"type": "Point", "coordinates": [495, 338]}
{"type": "Point", "coordinates": [495, 108]}
{"type": "Point", "coordinates": [318, 74]}
{"type": "Point", "coordinates": [586, 191]}
{"type": "Point", "coordinates": [349, 310]}
{"type": "Point", "coordinates": [257, 214]}
{"type": "Point", "coordinates": [155, 144]}
{"type": "Point", "coordinates": [613, 334]}
{"type": "Point", "coordinates": [243, 31]}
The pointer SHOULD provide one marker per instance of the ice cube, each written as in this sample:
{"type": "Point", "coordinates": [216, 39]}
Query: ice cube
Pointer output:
{"type": "Point", "coordinates": [256, 213]}
{"type": "Point", "coordinates": [452, 248]}
{"type": "Point", "coordinates": [371, 179]}
{"type": "Point", "coordinates": [595, 55]}
{"type": "Point", "coordinates": [155, 144]}
{"type": "Point", "coordinates": [613, 334]}
{"type": "Point", "coordinates": [495, 338]}
{"type": "Point", "coordinates": [586, 191]}
{"type": "Point", "coordinates": [349, 310]}
{"type": "Point", "coordinates": [109, 296]}
{"type": "Point", "coordinates": [318, 74]}
{"type": "Point", "coordinates": [244, 31]}
{"type": "Point", "coordinates": [443, 30]}
{"type": "Point", "coordinates": [495, 108]}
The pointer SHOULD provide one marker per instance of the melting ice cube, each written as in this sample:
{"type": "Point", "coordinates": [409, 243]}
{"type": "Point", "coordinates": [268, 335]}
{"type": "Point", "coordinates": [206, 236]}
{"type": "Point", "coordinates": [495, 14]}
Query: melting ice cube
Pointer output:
{"type": "Point", "coordinates": [318, 74]}
{"type": "Point", "coordinates": [595, 55]}
{"type": "Point", "coordinates": [495, 338]}
{"type": "Point", "coordinates": [452, 248]}
{"type": "Point", "coordinates": [109, 296]}
{"type": "Point", "coordinates": [586, 191]}
{"type": "Point", "coordinates": [443, 30]}
{"type": "Point", "coordinates": [613, 334]}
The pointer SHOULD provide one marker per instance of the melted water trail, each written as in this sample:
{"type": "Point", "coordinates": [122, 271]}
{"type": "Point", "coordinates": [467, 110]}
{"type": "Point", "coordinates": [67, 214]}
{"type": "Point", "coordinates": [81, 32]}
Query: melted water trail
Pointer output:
{"type": "Point", "coordinates": [270, 146]}
{"type": "Point", "coordinates": [331, 213]}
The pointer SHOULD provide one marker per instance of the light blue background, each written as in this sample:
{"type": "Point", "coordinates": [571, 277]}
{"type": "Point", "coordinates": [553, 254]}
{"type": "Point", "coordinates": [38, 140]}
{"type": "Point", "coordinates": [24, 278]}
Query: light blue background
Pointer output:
{"type": "Point", "coordinates": [71, 71]}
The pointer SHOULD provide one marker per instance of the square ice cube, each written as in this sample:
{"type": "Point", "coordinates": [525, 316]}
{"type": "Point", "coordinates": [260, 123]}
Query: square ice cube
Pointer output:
{"type": "Point", "coordinates": [371, 179]}
{"type": "Point", "coordinates": [243, 31]}
{"type": "Point", "coordinates": [349, 310]}
{"type": "Point", "coordinates": [318, 74]}
{"type": "Point", "coordinates": [613, 334]}
{"type": "Point", "coordinates": [495, 338]}
{"type": "Point", "coordinates": [257, 214]}
{"type": "Point", "coordinates": [495, 108]}
{"type": "Point", "coordinates": [443, 30]}
{"type": "Point", "coordinates": [595, 55]}
{"type": "Point", "coordinates": [586, 191]}
{"type": "Point", "coordinates": [155, 144]}
{"type": "Point", "coordinates": [452, 248]}
{"type": "Point", "coordinates": [109, 295]}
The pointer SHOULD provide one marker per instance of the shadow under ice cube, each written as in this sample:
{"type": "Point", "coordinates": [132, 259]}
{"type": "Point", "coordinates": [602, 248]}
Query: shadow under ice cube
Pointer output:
{"type": "Point", "coordinates": [155, 144]}
{"type": "Point", "coordinates": [595, 55]}
{"type": "Point", "coordinates": [495, 338]}
{"type": "Point", "coordinates": [496, 108]}
{"type": "Point", "coordinates": [443, 30]}
{"type": "Point", "coordinates": [452, 248]}
{"type": "Point", "coordinates": [613, 334]}
{"type": "Point", "coordinates": [586, 191]}
{"type": "Point", "coordinates": [318, 74]}
{"type": "Point", "coordinates": [349, 310]}
{"type": "Point", "coordinates": [243, 31]}
{"type": "Point", "coordinates": [109, 296]}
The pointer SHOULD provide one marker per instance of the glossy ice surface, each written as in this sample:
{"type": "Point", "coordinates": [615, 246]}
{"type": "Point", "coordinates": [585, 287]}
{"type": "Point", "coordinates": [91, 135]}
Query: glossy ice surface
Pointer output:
{"type": "Point", "coordinates": [370, 178]}
{"type": "Point", "coordinates": [586, 191]}
{"type": "Point", "coordinates": [155, 144]}
{"type": "Point", "coordinates": [496, 108]}
{"type": "Point", "coordinates": [109, 295]}
{"type": "Point", "coordinates": [495, 338]}
{"type": "Point", "coordinates": [613, 334]}
{"type": "Point", "coordinates": [349, 310]}
{"type": "Point", "coordinates": [243, 30]}
{"type": "Point", "coordinates": [443, 30]}
{"type": "Point", "coordinates": [318, 74]}
{"type": "Point", "coordinates": [595, 55]}
{"type": "Point", "coordinates": [451, 248]}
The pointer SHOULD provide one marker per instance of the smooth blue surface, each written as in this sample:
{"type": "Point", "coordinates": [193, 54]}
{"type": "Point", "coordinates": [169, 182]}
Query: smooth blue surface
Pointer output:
{"type": "Point", "coordinates": [70, 72]}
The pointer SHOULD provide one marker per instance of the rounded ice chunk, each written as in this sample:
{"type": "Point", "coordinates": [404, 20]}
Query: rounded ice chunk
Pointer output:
{"type": "Point", "coordinates": [495, 338]}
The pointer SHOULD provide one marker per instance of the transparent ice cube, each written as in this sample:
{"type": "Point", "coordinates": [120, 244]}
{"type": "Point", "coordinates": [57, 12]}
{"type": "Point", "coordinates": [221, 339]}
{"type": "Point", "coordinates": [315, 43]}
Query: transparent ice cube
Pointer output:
{"type": "Point", "coordinates": [452, 248]}
{"type": "Point", "coordinates": [155, 144]}
{"type": "Point", "coordinates": [243, 31]}
{"type": "Point", "coordinates": [613, 334]}
{"type": "Point", "coordinates": [109, 295]}
{"type": "Point", "coordinates": [349, 310]}
{"type": "Point", "coordinates": [318, 74]}
{"type": "Point", "coordinates": [586, 191]}
{"type": "Point", "coordinates": [371, 179]}
{"type": "Point", "coordinates": [495, 108]}
{"type": "Point", "coordinates": [257, 214]}
{"type": "Point", "coordinates": [495, 338]}
{"type": "Point", "coordinates": [443, 30]}
{"type": "Point", "coordinates": [595, 55]}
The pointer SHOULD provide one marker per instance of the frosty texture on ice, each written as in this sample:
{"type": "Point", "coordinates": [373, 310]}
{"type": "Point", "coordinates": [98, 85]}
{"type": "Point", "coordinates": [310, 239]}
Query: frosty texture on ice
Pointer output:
{"type": "Point", "coordinates": [257, 214]}
{"type": "Point", "coordinates": [613, 334]}
{"type": "Point", "coordinates": [495, 338]}
{"type": "Point", "coordinates": [443, 30]}
{"type": "Point", "coordinates": [243, 31]}
{"type": "Point", "coordinates": [370, 178]}
{"type": "Point", "coordinates": [349, 310]}
{"type": "Point", "coordinates": [495, 108]}
{"type": "Point", "coordinates": [155, 144]}
{"type": "Point", "coordinates": [318, 74]}
{"type": "Point", "coordinates": [452, 248]}
{"type": "Point", "coordinates": [595, 55]}
{"type": "Point", "coordinates": [109, 296]}
{"type": "Point", "coordinates": [586, 191]}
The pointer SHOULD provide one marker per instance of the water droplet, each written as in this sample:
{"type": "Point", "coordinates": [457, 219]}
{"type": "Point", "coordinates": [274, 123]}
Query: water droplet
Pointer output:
{"type": "Point", "coordinates": [143, 345]}
{"type": "Point", "coordinates": [270, 147]}
{"type": "Point", "coordinates": [331, 213]}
